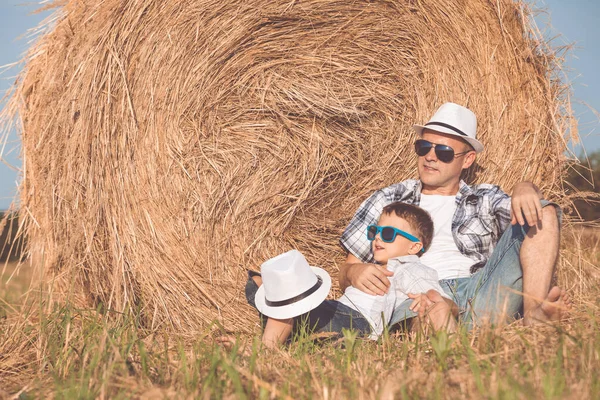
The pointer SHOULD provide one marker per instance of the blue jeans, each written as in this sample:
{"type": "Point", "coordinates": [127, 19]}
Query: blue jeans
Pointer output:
{"type": "Point", "coordinates": [495, 292]}
{"type": "Point", "coordinates": [329, 316]}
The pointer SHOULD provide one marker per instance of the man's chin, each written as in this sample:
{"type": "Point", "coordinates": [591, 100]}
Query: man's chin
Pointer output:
{"type": "Point", "coordinates": [430, 183]}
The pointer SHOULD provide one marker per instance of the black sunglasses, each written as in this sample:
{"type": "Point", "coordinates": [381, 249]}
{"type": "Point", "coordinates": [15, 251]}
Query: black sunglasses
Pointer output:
{"type": "Point", "coordinates": [442, 152]}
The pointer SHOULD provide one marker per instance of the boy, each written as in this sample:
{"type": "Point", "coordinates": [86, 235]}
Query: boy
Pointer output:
{"type": "Point", "coordinates": [289, 289]}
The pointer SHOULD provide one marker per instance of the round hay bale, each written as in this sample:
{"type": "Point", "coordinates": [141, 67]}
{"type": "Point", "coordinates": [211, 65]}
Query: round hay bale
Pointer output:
{"type": "Point", "coordinates": [169, 145]}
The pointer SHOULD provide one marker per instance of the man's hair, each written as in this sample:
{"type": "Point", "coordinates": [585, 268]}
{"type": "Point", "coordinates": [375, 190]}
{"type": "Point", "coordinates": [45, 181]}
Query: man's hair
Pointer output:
{"type": "Point", "coordinates": [418, 219]}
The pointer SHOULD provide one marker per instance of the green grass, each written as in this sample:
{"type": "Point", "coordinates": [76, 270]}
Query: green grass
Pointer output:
{"type": "Point", "coordinates": [85, 355]}
{"type": "Point", "coordinates": [69, 352]}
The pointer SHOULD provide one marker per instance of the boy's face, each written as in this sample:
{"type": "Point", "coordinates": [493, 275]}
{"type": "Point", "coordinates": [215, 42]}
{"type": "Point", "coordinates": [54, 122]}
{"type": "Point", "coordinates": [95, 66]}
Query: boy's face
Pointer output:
{"type": "Point", "coordinates": [401, 246]}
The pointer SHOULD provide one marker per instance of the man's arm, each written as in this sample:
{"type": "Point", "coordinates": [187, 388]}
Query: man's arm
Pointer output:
{"type": "Point", "coordinates": [369, 278]}
{"type": "Point", "coordinates": [525, 204]}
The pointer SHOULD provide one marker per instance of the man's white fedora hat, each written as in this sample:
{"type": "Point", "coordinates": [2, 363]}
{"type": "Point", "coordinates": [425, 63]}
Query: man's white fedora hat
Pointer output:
{"type": "Point", "coordinates": [456, 120]}
{"type": "Point", "coordinates": [290, 286]}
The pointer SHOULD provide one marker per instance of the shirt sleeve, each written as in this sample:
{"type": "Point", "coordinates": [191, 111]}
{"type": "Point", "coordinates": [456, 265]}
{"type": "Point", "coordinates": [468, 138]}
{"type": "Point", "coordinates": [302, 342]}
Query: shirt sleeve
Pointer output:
{"type": "Point", "coordinates": [501, 205]}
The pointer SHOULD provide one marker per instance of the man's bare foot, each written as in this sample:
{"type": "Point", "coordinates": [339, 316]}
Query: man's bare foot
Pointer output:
{"type": "Point", "coordinates": [554, 308]}
{"type": "Point", "coordinates": [439, 313]}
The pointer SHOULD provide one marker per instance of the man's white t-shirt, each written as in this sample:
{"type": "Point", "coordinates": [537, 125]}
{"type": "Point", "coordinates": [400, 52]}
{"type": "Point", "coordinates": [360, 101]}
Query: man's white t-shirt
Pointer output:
{"type": "Point", "coordinates": [443, 255]}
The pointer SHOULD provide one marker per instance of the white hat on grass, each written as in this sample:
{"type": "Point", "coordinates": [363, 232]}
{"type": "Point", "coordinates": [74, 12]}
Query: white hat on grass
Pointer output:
{"type": "Point", "coordinates": [452, 119]}
{"type": "Point", "coordinates": [290, 287]}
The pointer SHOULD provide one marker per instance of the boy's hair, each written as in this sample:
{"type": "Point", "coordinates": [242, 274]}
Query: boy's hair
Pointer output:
{"type": "Point", "coordinates": [418, 219]}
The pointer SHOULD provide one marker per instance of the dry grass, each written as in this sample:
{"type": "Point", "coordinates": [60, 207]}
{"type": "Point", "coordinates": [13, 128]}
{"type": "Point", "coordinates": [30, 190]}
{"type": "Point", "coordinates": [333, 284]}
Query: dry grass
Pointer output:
{"type": "Point", "coordinates": [170, 145]}
{"type": "Point", "coordinates": [73, 352]}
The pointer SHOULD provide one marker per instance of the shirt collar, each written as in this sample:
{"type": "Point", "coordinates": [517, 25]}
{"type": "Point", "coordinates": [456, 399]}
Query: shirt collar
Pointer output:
{"type": "Point", "coordinates": [464, 190]}
{"type": "Point", "coordinates": [411, 258]}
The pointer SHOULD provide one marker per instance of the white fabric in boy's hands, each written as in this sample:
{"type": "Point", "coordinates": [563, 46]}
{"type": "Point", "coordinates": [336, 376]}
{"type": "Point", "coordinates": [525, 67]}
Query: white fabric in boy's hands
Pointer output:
{"type": "Point", "coordinates": [415, 280]}
{"type": "Point", "coordinates": [410, 276]}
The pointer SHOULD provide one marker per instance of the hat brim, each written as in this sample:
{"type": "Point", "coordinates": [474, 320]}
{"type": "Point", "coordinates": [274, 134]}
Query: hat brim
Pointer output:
{"type": "Point", "coordinates": [476, 144]}
{"type": "Point", "coordinates": [300, 307]}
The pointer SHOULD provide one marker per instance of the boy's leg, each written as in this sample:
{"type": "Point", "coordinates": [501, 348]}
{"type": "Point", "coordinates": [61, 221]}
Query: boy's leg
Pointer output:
{"type": "Point", "coordinates": [277, 332]}
{"type": "Point", "coordinates": [333, 316]}
{"type": "Point", "coordinates": [329, 316]}
{"type": "Point", "coordinates": [252, 284]}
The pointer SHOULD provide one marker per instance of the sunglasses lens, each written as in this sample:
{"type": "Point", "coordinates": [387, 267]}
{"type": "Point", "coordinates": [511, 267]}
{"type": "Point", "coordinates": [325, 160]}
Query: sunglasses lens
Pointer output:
{"type": "Point", "coordinates": [371, 232]}
{"type": "Point", "coordinates": [444, 153]}
{"type": "Point", "coordinates": [388, 234]}
{"type": "Point", "coordinates": [422, 147]}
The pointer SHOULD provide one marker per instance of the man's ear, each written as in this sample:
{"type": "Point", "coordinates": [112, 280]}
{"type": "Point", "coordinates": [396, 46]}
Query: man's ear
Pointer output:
{"type": "Point", "coordinates": [415, 248]}
{"type": "Point", "coordinates": [469, 159]}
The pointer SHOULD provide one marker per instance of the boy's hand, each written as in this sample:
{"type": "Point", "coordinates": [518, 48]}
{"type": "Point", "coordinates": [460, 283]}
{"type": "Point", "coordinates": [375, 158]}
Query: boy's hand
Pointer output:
{"type": "Point", "coordinates": [420, 304]}
{"type": "Point", "coordinates": [370, 278]}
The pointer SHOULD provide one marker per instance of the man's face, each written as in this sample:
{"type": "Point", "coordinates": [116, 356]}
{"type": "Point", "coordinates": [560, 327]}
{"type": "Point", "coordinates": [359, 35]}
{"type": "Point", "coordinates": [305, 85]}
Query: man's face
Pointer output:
{"type": "Point", "coordinates": [401, 246]}
{"type": "Point", "coordinates": [439, 177]}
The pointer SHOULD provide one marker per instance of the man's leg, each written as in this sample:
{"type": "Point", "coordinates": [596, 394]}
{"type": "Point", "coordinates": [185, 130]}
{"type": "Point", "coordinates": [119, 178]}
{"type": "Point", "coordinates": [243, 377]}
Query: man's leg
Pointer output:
{"type": "Point", "coordinates": [402, 316]}
{"type": "Point", "coordinates": [538, 257]}
{"type": "Point", "coordinates": [521, 266]}
{"type": "Point", "coordinates": [493, 294]}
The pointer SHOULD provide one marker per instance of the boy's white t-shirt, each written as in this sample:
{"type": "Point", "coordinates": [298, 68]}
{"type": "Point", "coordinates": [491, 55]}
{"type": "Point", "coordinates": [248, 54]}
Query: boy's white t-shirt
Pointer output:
{"type": "Point", "coordinates": [443, 254]}
{"type": "Point", "coordinates": [410, 276]}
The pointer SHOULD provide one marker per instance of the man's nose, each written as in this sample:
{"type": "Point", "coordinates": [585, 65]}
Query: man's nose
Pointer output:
{"type": "Point", "coordinates": [431, 156]}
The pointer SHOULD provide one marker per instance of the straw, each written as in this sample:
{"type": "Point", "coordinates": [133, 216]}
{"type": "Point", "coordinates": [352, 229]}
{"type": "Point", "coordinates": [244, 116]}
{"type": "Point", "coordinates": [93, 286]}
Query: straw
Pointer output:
{"type": "Point", "coordinates": [170, 145]}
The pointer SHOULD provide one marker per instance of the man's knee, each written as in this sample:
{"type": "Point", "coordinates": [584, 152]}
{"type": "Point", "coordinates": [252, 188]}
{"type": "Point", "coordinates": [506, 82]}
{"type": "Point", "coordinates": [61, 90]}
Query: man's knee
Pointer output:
{"type": "Point", "coordinates": [550, 215]}
{"type": "Point", "coordinates": [549, 222]}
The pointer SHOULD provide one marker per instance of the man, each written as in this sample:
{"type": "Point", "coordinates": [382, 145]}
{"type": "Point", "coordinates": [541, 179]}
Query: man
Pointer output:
{"type": "Point", "coordinates": [495, 254]}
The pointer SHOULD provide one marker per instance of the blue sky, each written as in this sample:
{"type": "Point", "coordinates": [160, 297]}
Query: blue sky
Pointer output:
{"type": "Point", "coordinates": [577, 22]}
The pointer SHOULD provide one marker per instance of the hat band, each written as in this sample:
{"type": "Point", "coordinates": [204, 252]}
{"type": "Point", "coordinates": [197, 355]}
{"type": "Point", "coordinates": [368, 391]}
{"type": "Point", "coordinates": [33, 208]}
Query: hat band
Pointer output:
{"type": "Point", "coordinates": [447, 126]}
{"type": "Point", "coordinates": [296, 298]}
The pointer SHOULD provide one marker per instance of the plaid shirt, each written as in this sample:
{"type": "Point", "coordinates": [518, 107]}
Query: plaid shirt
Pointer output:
{"type": "Point", "coordinates": [482, 215]}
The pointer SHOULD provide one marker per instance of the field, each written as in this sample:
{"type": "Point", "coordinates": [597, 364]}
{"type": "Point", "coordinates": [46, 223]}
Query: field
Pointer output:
{"type": "Point", "coordinates": [66, 352]}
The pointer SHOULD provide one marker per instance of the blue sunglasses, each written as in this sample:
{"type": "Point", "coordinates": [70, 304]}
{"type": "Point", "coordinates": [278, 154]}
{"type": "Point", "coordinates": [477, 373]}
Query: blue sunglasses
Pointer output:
{"type": "Point", "coordinates": [388, 234]}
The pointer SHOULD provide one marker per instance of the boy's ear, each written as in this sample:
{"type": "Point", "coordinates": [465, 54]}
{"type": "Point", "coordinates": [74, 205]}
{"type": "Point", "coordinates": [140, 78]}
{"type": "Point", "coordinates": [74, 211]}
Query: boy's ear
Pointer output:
{"type": "Point", "coordinates": [415, 248]}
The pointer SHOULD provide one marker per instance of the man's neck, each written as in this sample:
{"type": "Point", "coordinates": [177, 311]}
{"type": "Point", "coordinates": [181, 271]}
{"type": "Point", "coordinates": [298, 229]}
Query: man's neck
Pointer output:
{"type": "Point", "coordinates": [441, 190]}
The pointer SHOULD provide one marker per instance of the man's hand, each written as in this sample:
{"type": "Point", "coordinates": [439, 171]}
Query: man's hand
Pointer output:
{"type": "Point", "coordinates": [525, 200]}
{"type": "Point", "coordinates": [369, 278]}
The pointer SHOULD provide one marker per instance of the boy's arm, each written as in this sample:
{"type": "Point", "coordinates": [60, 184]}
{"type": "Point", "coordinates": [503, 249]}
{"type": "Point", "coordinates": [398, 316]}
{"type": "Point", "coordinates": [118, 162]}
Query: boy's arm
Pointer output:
{"type": "Point", "coordinates": [277, 331]}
